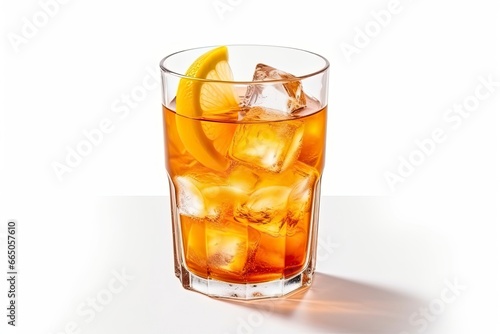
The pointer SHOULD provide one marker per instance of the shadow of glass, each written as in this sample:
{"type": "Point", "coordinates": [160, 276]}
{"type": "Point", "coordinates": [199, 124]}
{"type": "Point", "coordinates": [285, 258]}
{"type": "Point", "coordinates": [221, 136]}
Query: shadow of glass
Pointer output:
{"type": "Point", "coordinates": [334, 304]}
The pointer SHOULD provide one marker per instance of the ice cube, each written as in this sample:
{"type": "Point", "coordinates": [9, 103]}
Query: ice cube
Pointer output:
{"type": "Point", "coordinates": [269, 260]}
{"type": "Point", "coordinates": [193, 234]}
{"type": "Point", "coordinates": [229, 246]}
{"type": "Point", "coordinates": [190, 200]}
{"type": "Point", "coordinates": [303, 180]}
{"type": "Point", "coordinates": [265, 210]}
{"type": "Point", "coordinates": [272, 145]}
{"type": "Point", "coordinates": [284, 97]}
{"type": "Point", "coordinates": [244, 178]}
{"type": "Point", "coordinates": [314, 137]}
{"type": "Point", "coordinates": [222, 199]}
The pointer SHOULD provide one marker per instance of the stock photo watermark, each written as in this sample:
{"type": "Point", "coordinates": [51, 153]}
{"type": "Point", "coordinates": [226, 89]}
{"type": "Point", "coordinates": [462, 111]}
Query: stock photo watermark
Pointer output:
{"type": "Point", "coordinates": [94, 137]}
{"type": "Point", "coordinates": [421, 319]}
{"type": "Point", "coordinates": [222, 7]}
{"type": "Point", "coordinates": [326, 248]}
{"type": "Point", "coordinates": [255, 318]}
{"type": "Point", "coordinates": [30, 26]}
{"type": "Point", "coordinates": [12, 272]}
{"type": "Point", "coordinates": [363, 36]}
{"type": "Point", "coordinates": [453, 118]}
{"type": "Point", "coordinates": [88, 309]}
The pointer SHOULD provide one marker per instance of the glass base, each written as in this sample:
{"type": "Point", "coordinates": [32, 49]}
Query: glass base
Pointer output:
{"type": "Point", "coordinates": [246, 291]}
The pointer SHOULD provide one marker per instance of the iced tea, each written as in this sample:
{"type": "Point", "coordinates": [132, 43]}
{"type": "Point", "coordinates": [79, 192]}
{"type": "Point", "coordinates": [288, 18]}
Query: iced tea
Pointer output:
{"type": "Point", "coordinates": [244, 160]}
{"type": "Point", "coordinates": [251, 222]}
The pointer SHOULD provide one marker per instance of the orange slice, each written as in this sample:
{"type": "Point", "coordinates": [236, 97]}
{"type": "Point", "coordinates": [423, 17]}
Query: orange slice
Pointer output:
{"type": "Point", "coordinates": [207, 141]}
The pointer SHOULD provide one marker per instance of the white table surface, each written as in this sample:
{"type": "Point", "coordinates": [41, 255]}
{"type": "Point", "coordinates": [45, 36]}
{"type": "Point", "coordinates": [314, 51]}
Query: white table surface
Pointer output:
{"type": "Point", "coordinates": [380, 260]}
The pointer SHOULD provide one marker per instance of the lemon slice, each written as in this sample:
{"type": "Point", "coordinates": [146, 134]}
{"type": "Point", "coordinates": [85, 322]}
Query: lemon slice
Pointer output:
{"type": "Point", "coordinates": [206, 141]}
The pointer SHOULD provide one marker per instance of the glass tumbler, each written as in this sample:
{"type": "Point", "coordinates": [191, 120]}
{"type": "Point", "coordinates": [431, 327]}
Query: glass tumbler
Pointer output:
{"type": "Point", "coordinates": [244, 129]}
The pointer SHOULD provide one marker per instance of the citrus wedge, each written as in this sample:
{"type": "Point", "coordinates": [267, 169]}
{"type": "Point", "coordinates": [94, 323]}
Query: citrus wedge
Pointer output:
{"type": "Point", "coordinates": [206, 141]}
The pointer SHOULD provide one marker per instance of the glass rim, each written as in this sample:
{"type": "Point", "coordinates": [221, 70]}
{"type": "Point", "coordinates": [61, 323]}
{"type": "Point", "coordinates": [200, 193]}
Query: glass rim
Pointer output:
{"type": "Point", "coordinates": [324, 68]}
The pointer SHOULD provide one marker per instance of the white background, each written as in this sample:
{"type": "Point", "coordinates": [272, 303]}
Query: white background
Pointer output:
{"type": "Point", "coordinates": [440, 223]}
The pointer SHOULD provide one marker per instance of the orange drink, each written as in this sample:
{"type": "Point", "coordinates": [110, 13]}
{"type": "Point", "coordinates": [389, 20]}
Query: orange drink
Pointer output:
{"type": "Point", "coordinates": [244, 160]}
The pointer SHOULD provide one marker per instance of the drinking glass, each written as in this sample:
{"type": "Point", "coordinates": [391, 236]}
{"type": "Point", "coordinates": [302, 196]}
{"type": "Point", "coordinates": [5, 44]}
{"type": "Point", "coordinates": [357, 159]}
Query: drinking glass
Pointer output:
{"type": "Point", "coordinates": [244, 130]}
